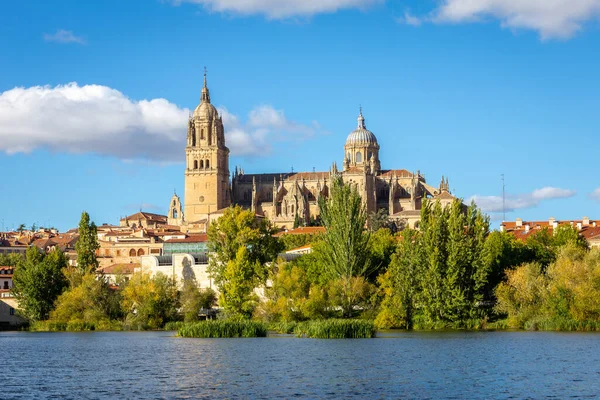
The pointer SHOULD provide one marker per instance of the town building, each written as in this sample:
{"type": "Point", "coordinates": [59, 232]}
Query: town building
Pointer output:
{"type": "Point", "coordinates": [587, 228]}
{"type": "Point", "coordinates": [285, 197]}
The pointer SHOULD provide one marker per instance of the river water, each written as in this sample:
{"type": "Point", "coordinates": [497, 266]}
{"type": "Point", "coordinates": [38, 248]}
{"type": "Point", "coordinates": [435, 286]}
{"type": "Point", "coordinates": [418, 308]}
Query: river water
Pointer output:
{"type": "Point", "coordinates": [412, 365]}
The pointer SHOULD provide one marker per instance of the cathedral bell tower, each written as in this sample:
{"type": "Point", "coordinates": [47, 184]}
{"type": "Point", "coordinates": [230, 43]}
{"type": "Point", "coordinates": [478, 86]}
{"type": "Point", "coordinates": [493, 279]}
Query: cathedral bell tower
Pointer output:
{"type": "Point", "coordinates": [207, 162]}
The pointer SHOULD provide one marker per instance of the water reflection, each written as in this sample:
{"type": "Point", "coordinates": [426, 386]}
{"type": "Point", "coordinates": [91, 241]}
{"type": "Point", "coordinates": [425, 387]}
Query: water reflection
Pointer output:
{"type": "Point", "coordinates": [396, 365]}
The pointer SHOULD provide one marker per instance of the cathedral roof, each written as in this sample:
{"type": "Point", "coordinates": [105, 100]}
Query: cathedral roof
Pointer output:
{"type": "Point", "coordinates": [361, 135]}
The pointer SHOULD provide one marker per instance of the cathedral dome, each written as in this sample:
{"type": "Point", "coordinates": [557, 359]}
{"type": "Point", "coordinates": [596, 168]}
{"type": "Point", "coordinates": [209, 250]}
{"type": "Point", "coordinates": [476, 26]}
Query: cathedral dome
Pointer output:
{"type": "Point", "coordinates": [361, 135]}
{"type": "Point", "coordinates": [205, 110]}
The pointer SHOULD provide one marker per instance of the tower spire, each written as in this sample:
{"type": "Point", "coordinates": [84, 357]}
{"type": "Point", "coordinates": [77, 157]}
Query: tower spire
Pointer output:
{"type": "Point", "coordinates": [205, 93]}
{"type": "Point", "coordinates": [361, 120]}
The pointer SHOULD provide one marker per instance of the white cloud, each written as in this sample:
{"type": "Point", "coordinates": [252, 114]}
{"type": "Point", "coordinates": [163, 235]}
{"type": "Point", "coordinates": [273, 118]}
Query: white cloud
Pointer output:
{"type": "Point", "coordinates": [63, 36]}
{"type": "Point", "coordinates": [551, 18]}
{"type": "Point", "coordinates": [265, 125]}
{"type": "Point", "coordinates": [595, 194]}
{"type": "Point", "coordinates": [410, 19]}
{"type": "Point", "coordinates": [101, 120]}
{"type": "Point", "coordinates": [493, 204]}
{"type": "Point", "coordinates": [280, 9]}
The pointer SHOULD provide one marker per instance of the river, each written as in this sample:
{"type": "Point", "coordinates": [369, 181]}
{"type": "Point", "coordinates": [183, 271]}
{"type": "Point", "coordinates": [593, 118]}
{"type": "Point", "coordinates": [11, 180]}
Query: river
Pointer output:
{"type": "Point", "coordinates": [412, 365]}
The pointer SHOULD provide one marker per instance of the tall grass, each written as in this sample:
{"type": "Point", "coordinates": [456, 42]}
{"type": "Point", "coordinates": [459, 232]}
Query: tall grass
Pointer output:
{"type": "Point", "coordinates": [282, 326]}
{"type": "Point", "coordinates": [336, 329]}
{"type": "Point", "coordinates": [75, 326]}
{"type": "Point", "coordinates": [173, 325]}
{"type": "Point", "coordinates": [223, 329]}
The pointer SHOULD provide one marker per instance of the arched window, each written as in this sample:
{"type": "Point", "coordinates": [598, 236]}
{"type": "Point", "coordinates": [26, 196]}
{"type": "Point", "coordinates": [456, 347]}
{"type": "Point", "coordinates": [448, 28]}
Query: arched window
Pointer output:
{"type": "Point", "coordinates": [201, 164]}
{"type": "Point", "coordinates": [174, 213]}
{"type": "Point", "coordinates": [370, 155]}
{"type": "Point", "coordinates": [201, 133]}
{"type": "Point", "coordinates": [207, 164]}
{"type": "Point", "coordinates": [349, 156]}
{"type": "Point", "coordinates": [358, 156]}
{"type": "Point", "coordinates": [195, 164]}
{"type": "Point", "coordinates": [140, 252]}
{"type": "Point", "coordinates": [174, 203]}
{"type": "Point", "coordinates": [132, 253]}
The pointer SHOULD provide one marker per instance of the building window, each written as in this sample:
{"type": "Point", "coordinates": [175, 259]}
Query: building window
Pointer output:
{"type": "Point", "coordinates": [207, 164]}
{"type": "Point", "coordinates": [132, 253]}
{"type": "Point", "coordinates": [349, 156]}
{"type": "Point", "coordinates": [6, 285]}
{"type": "Point", "coordinates": [12, 311]}
{"type": "Point", "coordinates": [195, 164]}
{"type": "Point", "coordinates": [201, 164]}
{"type": "Point", "coordinates": [201, 133]}
{"type": "Point", "coordinates": [358, 157]}
{"type": "Point", "coordinates": [118, 253]}
{"type": "Point", "coordinates": [370, 155]}
{"type": "Point", "coordinates": [140, 252]}
{"type": "Point", "coordinates": [174, 213]}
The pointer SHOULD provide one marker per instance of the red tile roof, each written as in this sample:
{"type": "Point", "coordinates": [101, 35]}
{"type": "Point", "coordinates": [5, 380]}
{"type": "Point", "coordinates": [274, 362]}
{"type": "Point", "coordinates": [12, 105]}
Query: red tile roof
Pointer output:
{"type": "Point", "coordinates": [303, 230]}
{"type": "Point", "coordinates": [123, 268]}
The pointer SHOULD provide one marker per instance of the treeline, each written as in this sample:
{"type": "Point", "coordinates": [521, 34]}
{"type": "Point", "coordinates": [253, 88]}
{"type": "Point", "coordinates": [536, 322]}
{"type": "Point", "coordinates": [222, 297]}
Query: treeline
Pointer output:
{"type": "Point", "coordinates": [53, 295]}
{"type": "Point", "coordinates": [447, 274]}
{"type": "Point", "coordinates": [450, 273]}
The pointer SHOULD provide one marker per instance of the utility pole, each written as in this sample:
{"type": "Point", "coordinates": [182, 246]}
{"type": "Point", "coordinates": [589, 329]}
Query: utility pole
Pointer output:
{"type": "Point", "coordinates": [503, 200]}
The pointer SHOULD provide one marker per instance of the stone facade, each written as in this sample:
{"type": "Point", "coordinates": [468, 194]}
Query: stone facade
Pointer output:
{"type": "Point", "coordinates": [285, 197]}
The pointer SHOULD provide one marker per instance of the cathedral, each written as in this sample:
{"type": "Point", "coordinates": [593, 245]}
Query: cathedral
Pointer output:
{"type": "Point", "coordinates": [286, 197]}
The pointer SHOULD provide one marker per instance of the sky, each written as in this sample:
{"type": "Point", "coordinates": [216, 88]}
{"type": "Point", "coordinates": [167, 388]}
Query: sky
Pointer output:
{"type": "Point", "coordinates": [94, 98]}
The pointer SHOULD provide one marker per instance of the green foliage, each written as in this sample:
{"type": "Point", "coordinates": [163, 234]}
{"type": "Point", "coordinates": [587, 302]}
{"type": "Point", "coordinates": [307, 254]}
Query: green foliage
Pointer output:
{"type": "Point", "coordinates": [336, 329]}
{"type": "Point", "coordinates": [10, 260]}
{"type": "Point", "coordinates": [379, 219]}
{"type": "Point", "coordinates": [502, 251]}
{"type": "Point", "coordinates": [75, 326]}
{"type": "Point", "coordinates": [223, 329]}
{"type": "Point", "coordinates": [92, 303]}
{"type": "Point", "coordinates": [292, 297]}
{"type": "Point", "coordinates": [294, 241]}
{"type": "Point", "coordinates": [194, 299]}
{"type": "Point", "coordinates": [38, 281]}
{"type": "Point", "coordinates": [87, 245]}
{"type": "Point", "coordinates": [381, 248]}
{"type": "Point", "coordinates": [282, 327]}
{"type": "Point", "coordinates": [438, 275]}
{"type": "Point", "coordinates": [174, 325]}
{"type": "Point", "coordinates": [563, 296]}
{"type": "Point", "coordinates": [238, 280]}
{"type": "Point", "coordinates": [149, 302]}
{"type": "Point", "coordinates": [241, 245]}
{"type": "Point", "coordinates": [345, 243]}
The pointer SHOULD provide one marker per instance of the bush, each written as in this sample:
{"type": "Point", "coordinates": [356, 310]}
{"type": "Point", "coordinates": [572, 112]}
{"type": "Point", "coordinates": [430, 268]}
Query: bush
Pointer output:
{"type": "Point", "coordinates": [336, 329]}
{"type": "Point", "coordinates": [223, 329]}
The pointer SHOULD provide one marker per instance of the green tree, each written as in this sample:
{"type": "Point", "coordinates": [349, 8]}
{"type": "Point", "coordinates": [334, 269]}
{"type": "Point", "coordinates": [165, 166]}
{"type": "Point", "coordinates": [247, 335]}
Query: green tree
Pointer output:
{"type": "Point", "coordinates": [150, 302]}
{"type": "Point", "coordinates": [194, 299]}
{"type": "Point", "coordinates": [237, 283]}
{"type": "Point", "coordinates": [38, 281]}
{"type": "Point", "coordinates": [565, 234]}
{"type": "Point", "coordinates": [239, 228]}
{"type": "Point", "coordinates": [93, 301]}
{"type": "Point", "coordinates": [345, 242]}
{"type": "Point", "coordinates": [87, 245]}
{"type": "Point", "coordinates": [378, 219]}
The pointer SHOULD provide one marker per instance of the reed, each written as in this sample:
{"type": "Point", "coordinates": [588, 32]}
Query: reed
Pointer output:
{"type": "Point", "coordinates": [336, 329]}
{"type": "Point", "coordinates": [173, 325]}
{"type": "Point", "coordinates": [282, 326]}
{"type": "Point", "coordinates": [223, 329]}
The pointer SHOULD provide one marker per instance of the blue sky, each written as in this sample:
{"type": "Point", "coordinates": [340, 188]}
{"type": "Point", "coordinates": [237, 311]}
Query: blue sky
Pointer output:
{"type": "Point", "coordinates": [94, 97]}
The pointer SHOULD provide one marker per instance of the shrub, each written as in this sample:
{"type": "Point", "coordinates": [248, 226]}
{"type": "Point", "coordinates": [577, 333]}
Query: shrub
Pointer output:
{"type": "Point", "coordinates": [336, 329]}
{"type": "Point", "coordinates": [223, 329]}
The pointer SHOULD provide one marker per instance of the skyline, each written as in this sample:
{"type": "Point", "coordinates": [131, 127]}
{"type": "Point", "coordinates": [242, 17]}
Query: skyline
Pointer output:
{"type": "Point", "coordinates": [444, 95]}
